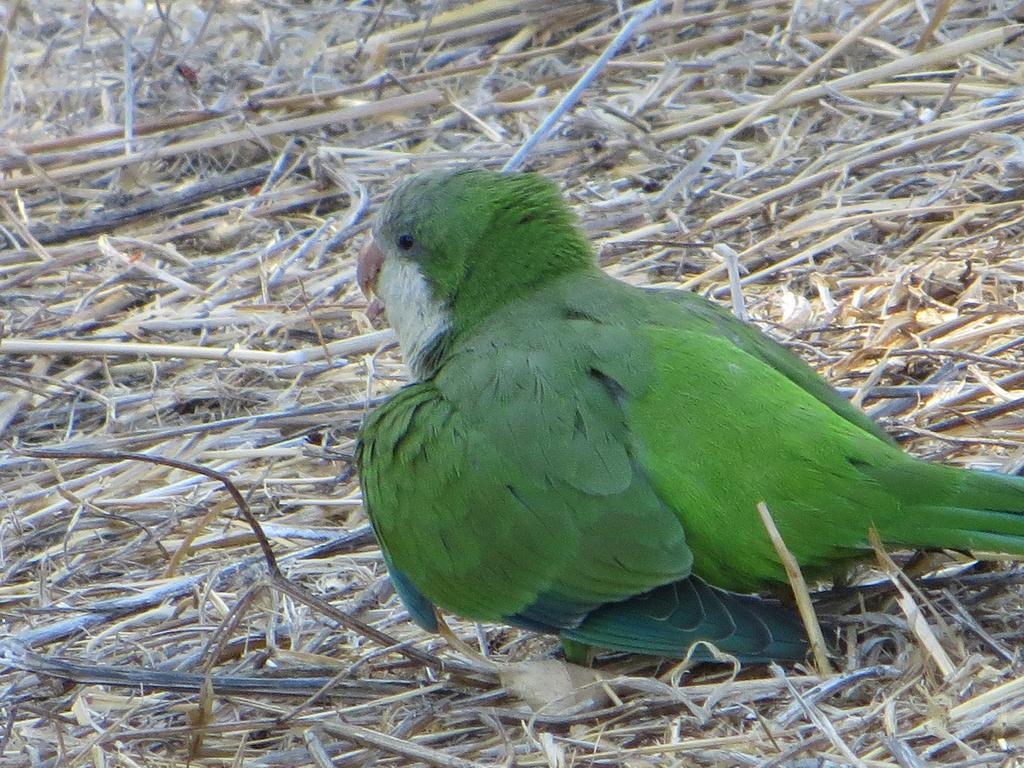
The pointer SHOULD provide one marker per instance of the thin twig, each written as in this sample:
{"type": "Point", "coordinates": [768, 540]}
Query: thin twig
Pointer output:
{"type": "Point", "coordinates": [800, 593]}
{"type": "Point", "coordinates": [569, 100]}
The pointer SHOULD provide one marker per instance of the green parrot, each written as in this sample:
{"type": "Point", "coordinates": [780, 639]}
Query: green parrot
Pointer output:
{"type": "Point", "coordinates": [583, 457]}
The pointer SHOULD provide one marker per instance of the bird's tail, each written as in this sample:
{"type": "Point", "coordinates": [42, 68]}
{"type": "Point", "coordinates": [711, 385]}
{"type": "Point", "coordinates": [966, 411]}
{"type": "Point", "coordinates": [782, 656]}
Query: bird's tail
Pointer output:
{"type": "Point", "coordinates": [944, 507]}
{"type": "Point", "coordinates": [668, 620]}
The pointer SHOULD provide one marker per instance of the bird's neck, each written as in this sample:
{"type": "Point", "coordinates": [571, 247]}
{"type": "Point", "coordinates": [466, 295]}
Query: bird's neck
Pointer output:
{"type": "Point", "coordinates": [512, 269]}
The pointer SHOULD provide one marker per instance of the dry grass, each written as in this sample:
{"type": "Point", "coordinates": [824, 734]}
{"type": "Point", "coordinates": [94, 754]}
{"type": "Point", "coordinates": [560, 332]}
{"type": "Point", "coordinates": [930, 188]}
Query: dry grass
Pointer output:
{"type": "Point", "coordinates": [188, 292]}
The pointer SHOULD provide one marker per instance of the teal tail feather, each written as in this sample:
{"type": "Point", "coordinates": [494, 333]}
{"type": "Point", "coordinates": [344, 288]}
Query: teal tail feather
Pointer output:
{"type": "Point", "coordinates": [670, 619]}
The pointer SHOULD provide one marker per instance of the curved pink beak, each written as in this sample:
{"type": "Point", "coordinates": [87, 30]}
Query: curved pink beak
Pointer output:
{"type": "Point", "coordinates": [367, 269]}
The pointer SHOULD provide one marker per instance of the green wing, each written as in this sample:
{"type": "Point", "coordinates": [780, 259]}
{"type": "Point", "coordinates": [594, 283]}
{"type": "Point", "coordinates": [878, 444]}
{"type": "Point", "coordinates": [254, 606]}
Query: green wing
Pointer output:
{"type": "Point", "coordinates": [703, 316]}
{"type": "Point", "coordinates": [742, 433]}
{"type": "Point", "coordinates": [745, 432]}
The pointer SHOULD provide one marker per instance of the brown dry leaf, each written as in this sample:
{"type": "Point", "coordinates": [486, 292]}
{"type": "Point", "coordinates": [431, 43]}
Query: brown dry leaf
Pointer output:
{"type": "Point", "coordinates": [553, 687]}
{"type": "Point", "coordinates": [928, 317]}
{"type": "Point", "coordinates": [797, 312]}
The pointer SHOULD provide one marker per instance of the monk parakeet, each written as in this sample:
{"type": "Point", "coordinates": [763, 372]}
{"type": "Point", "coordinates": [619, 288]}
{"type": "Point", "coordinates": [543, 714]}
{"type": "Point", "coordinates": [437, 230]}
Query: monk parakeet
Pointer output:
{"type": "Point", "coordinates": [579, 456]}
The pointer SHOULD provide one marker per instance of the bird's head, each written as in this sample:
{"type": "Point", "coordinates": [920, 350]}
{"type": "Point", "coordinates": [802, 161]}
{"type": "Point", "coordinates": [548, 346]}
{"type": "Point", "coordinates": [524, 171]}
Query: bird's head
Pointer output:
{"type": "Point", "coordinates": [450, 247]}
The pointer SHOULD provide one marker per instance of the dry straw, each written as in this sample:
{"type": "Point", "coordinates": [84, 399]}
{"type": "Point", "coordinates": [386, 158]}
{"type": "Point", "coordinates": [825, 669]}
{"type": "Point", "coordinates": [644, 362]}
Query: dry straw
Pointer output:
{"type": "Point", "coordinates": [183, 189]}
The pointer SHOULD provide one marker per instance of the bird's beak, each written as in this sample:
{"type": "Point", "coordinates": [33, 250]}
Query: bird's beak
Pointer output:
{"type": "Point", "coordinates": [367, 270]}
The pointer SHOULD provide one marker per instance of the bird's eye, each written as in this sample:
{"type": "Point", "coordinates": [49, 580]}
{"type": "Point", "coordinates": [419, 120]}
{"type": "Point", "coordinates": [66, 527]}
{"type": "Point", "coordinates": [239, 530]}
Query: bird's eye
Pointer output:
{"type": "Point", "coordinates": [405, 242]}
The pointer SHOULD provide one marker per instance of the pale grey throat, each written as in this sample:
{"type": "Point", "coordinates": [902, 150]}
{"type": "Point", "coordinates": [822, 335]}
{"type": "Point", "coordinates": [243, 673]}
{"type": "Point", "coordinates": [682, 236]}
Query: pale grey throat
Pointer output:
{"type": "Point", "coordinates": [420, 321]}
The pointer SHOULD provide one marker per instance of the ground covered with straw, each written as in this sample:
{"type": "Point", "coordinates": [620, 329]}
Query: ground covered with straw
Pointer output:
{"type": "Point", "coordinates": [183, 189]}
